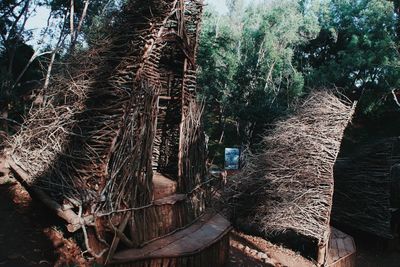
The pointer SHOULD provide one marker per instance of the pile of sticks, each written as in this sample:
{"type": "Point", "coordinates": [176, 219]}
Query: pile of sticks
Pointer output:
{"type": "Point", "coordinates": [289, 184]}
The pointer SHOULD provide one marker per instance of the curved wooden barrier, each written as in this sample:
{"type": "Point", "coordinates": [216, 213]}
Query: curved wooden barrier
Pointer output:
{"type": "Point", "coordinates": [204, 243]}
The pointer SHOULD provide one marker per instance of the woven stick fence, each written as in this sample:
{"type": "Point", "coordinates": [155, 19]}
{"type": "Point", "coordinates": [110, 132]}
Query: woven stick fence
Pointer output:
{"type": "Point", "coordinates": [363, 188]}
{"type": "Point", "coordinates": [90, 148]}
{"type": "Point", "coordinates": [289, 185]}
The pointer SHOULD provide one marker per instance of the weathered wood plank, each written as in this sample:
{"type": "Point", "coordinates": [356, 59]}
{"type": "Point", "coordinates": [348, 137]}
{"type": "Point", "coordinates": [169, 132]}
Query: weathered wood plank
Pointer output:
{"type": "Point", "coordinates": [208, 230]}
{"type": "Point", "coordinates": [341, 247]}
{"type": "Point", "coordinates": [342, 250]}
{"type": "Point", "coordinates": [349, 245]}
{"type": "Point", "coordinates": [213, 256]}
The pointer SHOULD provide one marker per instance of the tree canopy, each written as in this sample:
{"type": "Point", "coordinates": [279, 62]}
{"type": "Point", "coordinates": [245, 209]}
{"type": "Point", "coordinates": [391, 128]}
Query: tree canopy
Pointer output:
{"type": "Point", "coordinates": [27, 59]}
{"type": "Point", "coordinates": [257, 61]}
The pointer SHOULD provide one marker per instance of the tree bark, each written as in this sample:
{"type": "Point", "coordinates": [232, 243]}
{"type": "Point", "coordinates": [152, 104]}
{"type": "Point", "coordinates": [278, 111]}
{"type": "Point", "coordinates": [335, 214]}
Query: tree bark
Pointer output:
{"type": "Point", "coordinates": [78, 29]}
{"type": "Point", "coordinates": [71, 21]}
{"type": "Point", "coordinates": [53, 56]}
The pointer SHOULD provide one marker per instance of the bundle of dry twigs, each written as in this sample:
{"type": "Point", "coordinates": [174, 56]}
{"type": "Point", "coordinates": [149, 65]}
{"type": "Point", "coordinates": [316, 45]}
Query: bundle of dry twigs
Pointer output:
{"type": "Point", "coordinates": [289, 185]}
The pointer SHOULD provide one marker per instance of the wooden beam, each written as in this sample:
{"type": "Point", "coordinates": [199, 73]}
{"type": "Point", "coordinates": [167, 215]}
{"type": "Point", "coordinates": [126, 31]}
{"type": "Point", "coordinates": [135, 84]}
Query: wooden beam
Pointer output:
{"type": "Point", "coordinates": [74, 221]}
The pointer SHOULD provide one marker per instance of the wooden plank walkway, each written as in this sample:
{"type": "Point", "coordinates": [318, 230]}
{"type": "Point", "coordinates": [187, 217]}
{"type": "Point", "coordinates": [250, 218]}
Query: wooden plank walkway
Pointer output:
{"type": "Point", "coordinates": [342, 249]}
{"type": "Point", "coordinates": [206, 231]}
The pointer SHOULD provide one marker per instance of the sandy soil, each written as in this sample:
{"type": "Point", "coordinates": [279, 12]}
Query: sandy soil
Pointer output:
{"type": "Point", "coordinates": [22, 239]}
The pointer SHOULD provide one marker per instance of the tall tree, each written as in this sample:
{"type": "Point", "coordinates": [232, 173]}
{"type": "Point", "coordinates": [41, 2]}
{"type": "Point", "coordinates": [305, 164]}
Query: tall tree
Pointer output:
{"type": "Point", "coordinates": [356, 50]}
{"type": "Point", "coordinates": [246, 68]}
{"type": "Point", "coordinates": [20, 70]}
{"type": "Point", "coordinates": [218, 59]}
{"type": "Point", "coordinates": [17, 59]}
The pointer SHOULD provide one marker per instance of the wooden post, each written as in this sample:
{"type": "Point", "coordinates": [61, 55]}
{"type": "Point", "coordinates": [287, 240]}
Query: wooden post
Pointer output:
{"type": "Point", "coordinates": [323, 246]}
{"type": "Point", "coordinates": [74, 221]}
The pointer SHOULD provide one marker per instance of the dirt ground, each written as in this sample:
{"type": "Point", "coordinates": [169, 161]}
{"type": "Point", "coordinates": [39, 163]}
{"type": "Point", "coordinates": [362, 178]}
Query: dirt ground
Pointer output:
{"type": "Point", "coordinates": [367, 257]}
{"type": "Point", "coordinates": [30, 236]}
{"type": "Point", "coordinates": [23, 241]}
{"type": "Point", "coordinates": [371, 252]}
{"type": "Point", "coordinates": [28, 232]}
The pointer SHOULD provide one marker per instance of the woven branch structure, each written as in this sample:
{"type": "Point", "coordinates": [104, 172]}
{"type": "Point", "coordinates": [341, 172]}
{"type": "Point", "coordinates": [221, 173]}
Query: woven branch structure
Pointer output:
{"type": "Point", "coordinates": [119, 112]}
{"type": "Point", "coordinates": [289, 185]}
{"type": "Point", "coordinates": [363, 180]}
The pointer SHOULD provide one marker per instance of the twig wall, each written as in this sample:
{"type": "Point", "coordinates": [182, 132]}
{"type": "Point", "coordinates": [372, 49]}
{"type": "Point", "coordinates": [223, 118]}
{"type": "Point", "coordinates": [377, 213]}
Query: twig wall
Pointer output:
{"type": "Point", "coordinates": [289, 185]}
{"type": "Point", "coordinates": [118, 112]}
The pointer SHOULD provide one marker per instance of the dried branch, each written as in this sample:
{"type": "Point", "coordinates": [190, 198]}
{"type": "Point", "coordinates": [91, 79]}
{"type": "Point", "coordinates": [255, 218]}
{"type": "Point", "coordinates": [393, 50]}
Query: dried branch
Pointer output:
{"type": "Point", "coordinates": [362, 188]}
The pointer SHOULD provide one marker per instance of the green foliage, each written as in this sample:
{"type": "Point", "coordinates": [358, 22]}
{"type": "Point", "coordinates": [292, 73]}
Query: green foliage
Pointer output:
{"type": "Point", "coordinates": [99, 13]}
{"type": "Point", "coordinates": [17, 78]}
{"type": "Point", "coordinates": [246, 67]}
{"type": "Point", "coordinates": [355, 50]}
{"type": "Point", "coordinates": [256, 62]}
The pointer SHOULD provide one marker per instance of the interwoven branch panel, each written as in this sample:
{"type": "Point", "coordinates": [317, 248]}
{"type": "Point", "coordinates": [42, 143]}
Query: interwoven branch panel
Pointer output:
{"type": "Point", "coordinates": [118, 112]}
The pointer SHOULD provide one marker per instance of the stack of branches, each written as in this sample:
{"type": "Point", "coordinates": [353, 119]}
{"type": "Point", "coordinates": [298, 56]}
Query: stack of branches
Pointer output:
{"type": "Point", "coordinates": [288, 186]}
{"type": "Point", "coordinates": [89, 145]}
{"type": "Point", "coordinates": [67, 145]}
{"type": "Point", "coordinates": [179, 88]}
{"type": "Point", "coordinates": [362, 188]}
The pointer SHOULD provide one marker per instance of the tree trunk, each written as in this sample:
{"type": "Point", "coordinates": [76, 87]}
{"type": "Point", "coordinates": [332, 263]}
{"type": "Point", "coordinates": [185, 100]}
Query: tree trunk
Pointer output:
{"type": "Point", "coordinates": [78, 29]}
{"type": "Point", "coordinates": [71, 21]}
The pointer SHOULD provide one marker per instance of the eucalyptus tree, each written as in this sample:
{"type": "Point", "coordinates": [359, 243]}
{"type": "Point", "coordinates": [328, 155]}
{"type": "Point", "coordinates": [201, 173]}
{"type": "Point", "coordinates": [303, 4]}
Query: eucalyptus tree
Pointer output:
{"type": "Point", "coordinates": [267, 83]}
{"type": "Point", "coordinates": [218, 59]}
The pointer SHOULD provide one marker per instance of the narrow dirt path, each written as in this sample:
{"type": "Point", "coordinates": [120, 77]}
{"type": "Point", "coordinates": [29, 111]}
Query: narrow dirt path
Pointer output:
{"type": "Point", "coordinates": [375, 252]}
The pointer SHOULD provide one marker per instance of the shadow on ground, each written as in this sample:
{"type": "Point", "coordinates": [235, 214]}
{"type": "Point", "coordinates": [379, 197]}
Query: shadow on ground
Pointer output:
{"type": "Point", "coordinates": [24, 225]}
{"type": "Point", "coordinates": [375, 252]}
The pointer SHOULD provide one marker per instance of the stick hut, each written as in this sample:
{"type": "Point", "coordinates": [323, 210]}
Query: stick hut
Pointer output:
{"type": "Point", "coordinates": [117, 115]}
